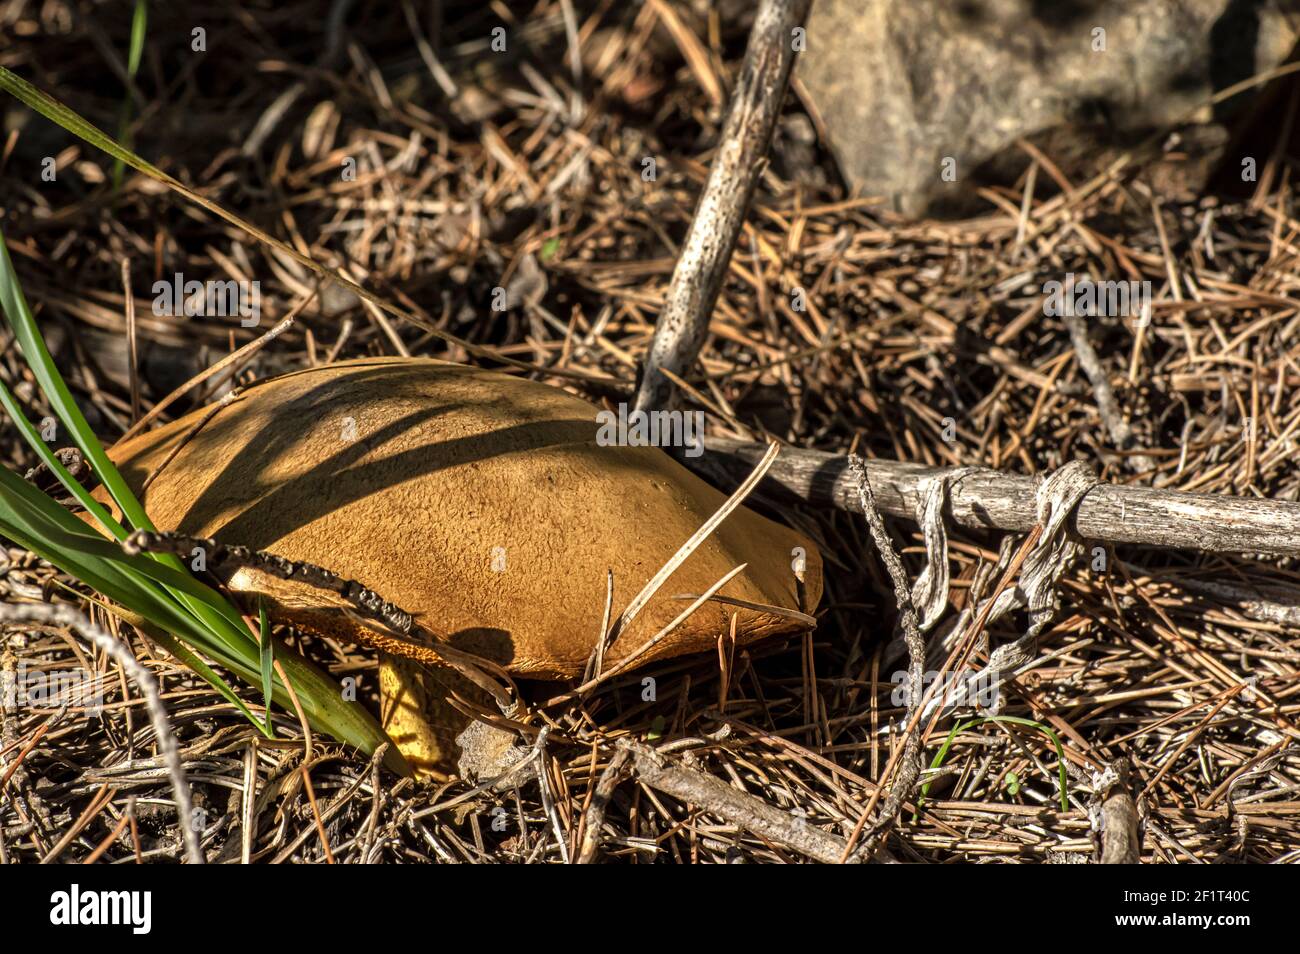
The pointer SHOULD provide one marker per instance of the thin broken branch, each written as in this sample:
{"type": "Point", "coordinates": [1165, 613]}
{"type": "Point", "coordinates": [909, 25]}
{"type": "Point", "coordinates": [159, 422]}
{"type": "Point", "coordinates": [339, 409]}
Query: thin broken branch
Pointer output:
{"type": "Point", "coordinates": [594, 819]}
{"type": "Point", "coordinates": [909, 768]}
{"type": "Point", "coordinates": [718, 798]}
{"type": "Point", "coordinates": [1121, 434]}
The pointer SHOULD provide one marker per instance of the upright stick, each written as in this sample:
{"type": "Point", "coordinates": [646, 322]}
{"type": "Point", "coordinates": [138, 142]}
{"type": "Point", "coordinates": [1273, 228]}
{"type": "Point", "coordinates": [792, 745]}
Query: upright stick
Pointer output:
{"type": "Point", "coordinates": [683, 323]}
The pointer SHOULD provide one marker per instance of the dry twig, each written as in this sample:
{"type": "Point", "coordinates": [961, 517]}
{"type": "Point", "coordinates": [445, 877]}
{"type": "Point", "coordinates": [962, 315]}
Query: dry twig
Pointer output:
{"type": "Point", "coordinates": [755, 104]}
{"type": "Point", "coordinates": [57, 615]}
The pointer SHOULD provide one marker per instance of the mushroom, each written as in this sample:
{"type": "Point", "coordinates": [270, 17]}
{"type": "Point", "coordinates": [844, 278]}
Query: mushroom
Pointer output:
{"type": "Point", "coordinates": [480, 502]}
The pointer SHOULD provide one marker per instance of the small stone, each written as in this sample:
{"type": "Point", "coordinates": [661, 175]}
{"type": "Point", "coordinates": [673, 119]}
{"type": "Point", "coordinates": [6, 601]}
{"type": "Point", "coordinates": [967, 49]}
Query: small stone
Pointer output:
{"type": "Point", "coordinates": [487, 752]}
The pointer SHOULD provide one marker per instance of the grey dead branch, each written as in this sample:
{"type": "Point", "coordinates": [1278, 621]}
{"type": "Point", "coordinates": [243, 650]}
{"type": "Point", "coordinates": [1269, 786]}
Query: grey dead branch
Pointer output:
{"type": "Point", "coordinates": [752, 814]}
{"type": "Point", "coordinates": [989, 499]}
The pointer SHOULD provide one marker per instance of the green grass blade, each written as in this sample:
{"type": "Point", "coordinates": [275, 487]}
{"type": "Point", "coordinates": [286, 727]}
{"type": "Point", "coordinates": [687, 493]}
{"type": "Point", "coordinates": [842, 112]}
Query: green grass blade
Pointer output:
{"type": "Point", "coordinates": [35, 522]}
{"type": "Point", "coordinates": [943, 754]}
{"type": "Point", "coordinates": [23, 325]}
{"type": "Point", "coordinates": [221, 617]}
{"type": "Point", "coordinates": [1017, 720]}
{"type": "Point", "coordinates": [1060, 751]}
{"type": "Point", "coordinates": [31, 518]}
{"type": "Point", "coordinates": [61, 115]}
{"type": "Point", "coordinates": [138, 24]}
{"type": "Point", "coordinates": [159, 590]}
{"type": "Point", "coordinates": [268, 657]}
{"type": "Point", "coordinates": [174, 580]}
{"type": "Point", "coordinates": [156, 586]}
{"type": "Point", "coordinates": [33, 438]}
{"type": "Point", "coordinates": [38, 524]}
{"type": "Point", "coordinates": [177, 648]}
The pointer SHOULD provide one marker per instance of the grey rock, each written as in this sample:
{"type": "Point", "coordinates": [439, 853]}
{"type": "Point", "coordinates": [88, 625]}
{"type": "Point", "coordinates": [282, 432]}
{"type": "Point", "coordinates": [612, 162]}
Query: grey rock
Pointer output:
{"type": "Point", "coordinates": [487, 752]}
{"type": "Point", "coordinates": [902, 85]}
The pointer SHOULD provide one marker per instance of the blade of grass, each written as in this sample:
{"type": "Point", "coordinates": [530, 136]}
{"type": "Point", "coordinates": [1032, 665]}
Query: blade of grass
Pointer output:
{"type": "Point", "coordinates": [139, 22]}
{"type": "Point", "coordinates": [221, 618]}
{"type": "Point", "coordinates": [33, 438]}
{"type": "Point", "coordinates": [962, 727]}
{"type": "Point", "coordinates": [175, 646]}
{"type": "Point", "coordinates": [35, 522]}
{"type": "Point", "coordinates": [268, 658]}
{"type": "Point", "coordinates": [174, 578]}
{"type": "Point", "coordinates": [158, 587]}
{"type": "Point", "coordinates": [23, 325]}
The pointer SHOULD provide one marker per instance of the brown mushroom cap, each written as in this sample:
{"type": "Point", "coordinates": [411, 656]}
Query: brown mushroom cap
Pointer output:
{"type": "Point", "coordinates": [478, 501]}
